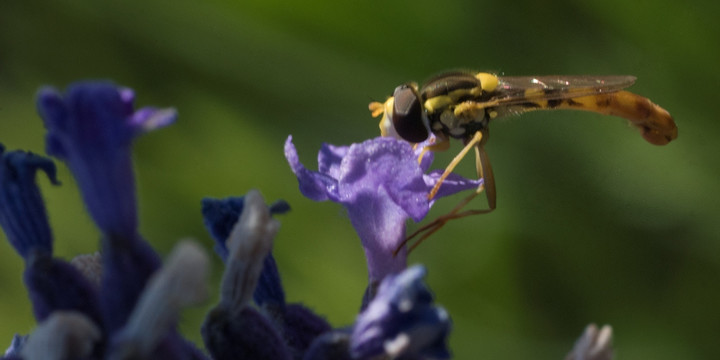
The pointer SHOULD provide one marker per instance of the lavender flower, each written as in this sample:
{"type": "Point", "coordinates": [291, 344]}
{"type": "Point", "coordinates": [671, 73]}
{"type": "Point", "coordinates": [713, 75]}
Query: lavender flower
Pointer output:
{"type": "Point", "coordinates": [234, 329]}
{"type": "Point", "coordinates": [297, 324]}
{"type": "Point", "coordinates": [381, 185]}
{"type": "Point", "coordinates": [91, 129]}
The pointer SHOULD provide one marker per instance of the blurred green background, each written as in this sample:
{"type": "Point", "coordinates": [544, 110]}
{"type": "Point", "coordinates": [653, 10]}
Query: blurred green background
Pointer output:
{"type": "Point", "coordinates": [593, 224]}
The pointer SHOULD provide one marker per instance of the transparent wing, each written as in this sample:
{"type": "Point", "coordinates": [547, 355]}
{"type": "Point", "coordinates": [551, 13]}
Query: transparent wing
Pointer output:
{"type": "Point", "coordinates": [521, 89]}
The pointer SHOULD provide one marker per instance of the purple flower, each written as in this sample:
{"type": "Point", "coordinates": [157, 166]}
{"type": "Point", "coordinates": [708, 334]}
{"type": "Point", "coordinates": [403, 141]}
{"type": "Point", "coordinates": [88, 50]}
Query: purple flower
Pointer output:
{"type": "Point", "coordinates": [381, 185]}
{"type": "Point", "coordinates": [402, 321]}
{"type": "Point", "coordinates": [297, 324]}
{"type": "Point", "coordinates": [91, 128]}
{"type": "Point", "coordinates": [52, 284]}
{"type": "Point", "coordinates": [220, 217]}
{"type": "Point", "coordinates": [233, 329]}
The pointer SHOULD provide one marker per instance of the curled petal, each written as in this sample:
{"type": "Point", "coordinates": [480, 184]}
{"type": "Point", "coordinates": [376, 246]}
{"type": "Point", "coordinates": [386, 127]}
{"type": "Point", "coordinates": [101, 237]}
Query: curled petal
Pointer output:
{"type": "Point", "coordinates": [314, 185]}
{"type": "Point", "coordinates": [22, 210]}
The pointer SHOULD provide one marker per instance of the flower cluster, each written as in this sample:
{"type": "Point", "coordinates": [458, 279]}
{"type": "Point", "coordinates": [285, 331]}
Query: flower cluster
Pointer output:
{"type": "Point", "coordinates": [123, 302]}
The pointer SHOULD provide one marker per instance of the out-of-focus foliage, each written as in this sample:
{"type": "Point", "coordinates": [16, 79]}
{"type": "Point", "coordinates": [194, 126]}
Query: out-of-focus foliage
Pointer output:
{"type": "Point", "coordinates": [593, 224]}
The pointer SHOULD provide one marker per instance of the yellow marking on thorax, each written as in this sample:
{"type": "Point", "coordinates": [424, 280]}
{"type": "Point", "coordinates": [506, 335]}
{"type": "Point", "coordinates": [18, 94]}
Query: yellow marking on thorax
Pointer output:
{"type": "Point", "coordinates": [436, 103]}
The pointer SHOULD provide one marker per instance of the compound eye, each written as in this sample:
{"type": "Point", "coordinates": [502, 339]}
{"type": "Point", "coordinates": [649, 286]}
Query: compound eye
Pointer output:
{"type": "Point", "coordinates": [407, 114]}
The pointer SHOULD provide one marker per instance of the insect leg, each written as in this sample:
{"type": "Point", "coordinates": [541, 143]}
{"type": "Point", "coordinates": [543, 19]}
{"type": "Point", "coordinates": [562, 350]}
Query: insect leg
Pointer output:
{"type": "Point", "coordinates": [455, 161]}
{"type": "Point", "coordinates": [441, 144]}
{"type": "Point", "coordinates": [484, 171]}
{"type": "Point", "coordinates": [429, 229]}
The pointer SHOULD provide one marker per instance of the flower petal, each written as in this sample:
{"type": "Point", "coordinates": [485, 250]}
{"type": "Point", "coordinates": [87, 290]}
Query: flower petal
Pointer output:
{"type": "Point", "coordinates": [151, 118]}
{"type": "Point", "coordinates": [22, 210]}
{"type": "Point", "coordinates": [330, 158]}
{"type": "Point", "coordinates": [453, 184]}
{"type": "Point", "coordinates": [314, 185]}
{"type": "Point", "coordinates": [388, 164]}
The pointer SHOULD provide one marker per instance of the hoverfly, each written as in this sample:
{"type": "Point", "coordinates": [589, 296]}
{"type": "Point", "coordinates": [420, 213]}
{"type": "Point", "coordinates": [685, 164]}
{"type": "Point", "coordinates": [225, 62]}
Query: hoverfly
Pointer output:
{"type": "Point", "coordinates": [460, 105]}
